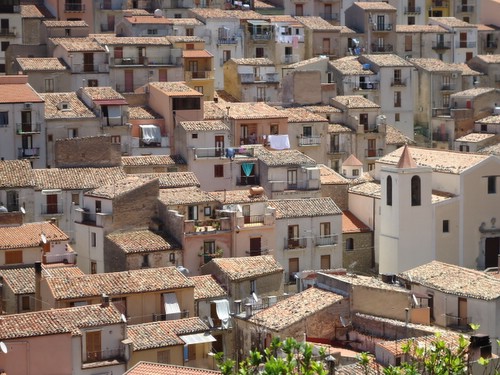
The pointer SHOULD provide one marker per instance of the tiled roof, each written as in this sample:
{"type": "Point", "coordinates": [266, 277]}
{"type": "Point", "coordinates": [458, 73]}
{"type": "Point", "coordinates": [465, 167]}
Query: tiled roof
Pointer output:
{"type": "Point", "coordinates": [163, 333]}
{"type": "Point", "coordinates": [396, 347]}
{"type": "Point", "coordinates": [57, 321]}
{"type": "Point", "coordinates": [29, 235]}
{"type": "Point", "coordinates": [76, 178]}
{"type": "Point", "coordinates": [439, 160]}
{"type": "Point", "coordinates": [489, 59]}
{"type": "Point", "coordinates": [369, 189]}
{"type": "Point", "coordinates": [494, 120]}
{"type": "Point", "coordinates": [450, 21]}
{"type": "Point", "coordinates": [295, 309]}
{"type": "Point", "coordinates": [219, 13]}
{"type": "Point", "coordinates": [40, 63]}
{"type": "Point", "coordinates": [150, 368]}
{"type": "Point", "coordinates": [186, 39]}
{"type": "Point", "coordinates": [18, 93]}
{"type": "Point", "coordinates": [118, 188]}
{"type": "Point", "coordinates": [242, 268]}
{"type": "Point", "coordinates": [329, 177]}
{"type": "Point", "coordinates": [196, 53]}
{"type": "Point", "coordinates": [76, 108]}
{"type": "Point", "coordinates": [385, 59]}
{"type": "Point", "coordinates": [212, 111]}
{"type": "Point", "coordinates": [31, 11]}
{"type": "Point", "coordinates": [58, 270]}
{"type": "Point", "coordinates": [307, 62]}
{"type": "Point", "coordinates": [64, 23]}
{"type": "Point", "coordinates": [118, 283]}
{"type": "Point", "coordinates": [175, 89]}
{"type": "Point", "coordinates": [142, 113]}
{"type": "Point", "coordinates": [246, 111]}
{"type": "Point", "coordinates": [322, 109]}
{"type": "Point", "coordinates": [147, 19]}
{"type": "Point", "coordinates": [142, 241]}
{"type": "Point", "coordinates": [354, 101]}
{"type": "Point", "coordinates": [289, 208]}
{"type": "Point", "coordinates": [202, 126]}
{"type": "Point", "coordinates": [370, 282]}
{"type": "Point", "coordinates": [132, 40]}
{"type": "Point", "coordinates": [420, 29]}
{"type": "Point", "coordinates": [490, 150]}
{"type": "Point", "coordinates": [434, 65]}
{"type": "Point", "coordinates": [301, 115]}
{"type": "Point", "coordinates": [183, 196]}
{"type": "Point", "coordinates": [339, 128]}
{"type": "Point", "coordinates": [466, 70]}
{"type": "Point", "coordinates": [102, 93]}
{"type": "Point", "coordinates": [350, 66]}
{"type": "Point", "coordinates": [185, 21]}
{"type": "Point", "coordinates": [16, 174]}
{"type": "Point", "coordinates": [238, 197]}
{"type": "Point", "coordinates": [260, 61]}
{"type": "Point", "coordinates": [173, 179]}
{"type": "Point", "coordinates": [152, 160]}
{"type": "Point", "coordinates": [258, 4]}
{"type": "Point", "coordinates": [373, 368]}
{"type": "Point", "coordinates": [456, 280]}
{"type": "Point", "coordinates": [352, 161]}
{"type": "Point", "coordinates": [375, 5]}
{"type": "Point", "coordinates": [351, 224]}
{"type": "Point", "coordinates": [78, 44]}
{"type": "Point", "coordinates": [206, 287]}
{"type": "Point", "coordinates": [394, 136]}
{"type": "Point", "coordinates": [285, 158]}
{"type": "Point", "coordinates": [317, 23]}
{"type": "Point", "coordinates": [473, 92]}
{"type": "Point", "coordinates": [283, 18]}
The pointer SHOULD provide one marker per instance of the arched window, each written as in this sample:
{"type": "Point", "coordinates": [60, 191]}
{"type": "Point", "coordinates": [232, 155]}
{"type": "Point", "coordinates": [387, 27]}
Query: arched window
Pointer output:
{"type": "Point", "coordinates": [389, 190]}
{"type": "Point", "coordinates": [349, 244]}
{"type": "Point", "coordinates": [415, 191]}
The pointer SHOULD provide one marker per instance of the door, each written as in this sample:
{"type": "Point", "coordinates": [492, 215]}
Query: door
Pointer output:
{"type": "Point", "coordinates": [129, 80]}
{"type": "Point", "coordinates": [326, 46]}
{"type": "Point", "coordinates": [111, 22]}
{"type": "Point", "coordinates": [363, 120]}
{"type": "Point", "coordinates": [325, 262]}
{"type": "Point", "coordinates": [491, 252]}
{"type": "Point", "coordinates": [255, 248]}
{"type": "Point", "coordinates": [93, 345]}
{"type": "Point", "coordinates": [193, 68]}
{"type": "Point", "coordinates": [293, 268]}
{"type": "Point", "coordinates": [88, 62]}
{"type": "Point", "coordinates": [27, 142]}
{"type": "Point", "coordinates": [162, 75]}
{"type": "Point", "coordinates": [328, 12]}
{"type": "Point", "coordinates": [106, 4]}
{"type": "Point", "coordinates": [219, 145]}
{"type": "Point", "coordinates": [246, 213]}
{"type": "Point", "coordinates": [52, 204]}
{"type": "Point", "coordinates": [299, 9]}
{"type": "Point", "coordinates": [372, 148]}
{"type": "Point", "coordinates": [380, 22]}
{"type": "Point", "coordinates": [141, 52]}
{"type": "Point", "coordinates": [463, 40]}
{"type": "Point", "coordinates": [462, 311]}
{"type": "Point", "coordinates": [293, 236]}
{"type": "Point", "coordinates": [26, 121]}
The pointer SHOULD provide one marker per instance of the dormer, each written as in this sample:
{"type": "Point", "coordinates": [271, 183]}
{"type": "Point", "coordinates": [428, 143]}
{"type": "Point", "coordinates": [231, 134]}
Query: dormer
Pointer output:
{"type": "Point", "coordinates": [63, 106]}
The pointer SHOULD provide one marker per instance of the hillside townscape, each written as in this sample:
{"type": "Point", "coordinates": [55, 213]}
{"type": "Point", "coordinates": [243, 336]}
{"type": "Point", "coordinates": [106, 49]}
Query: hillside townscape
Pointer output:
{"type": "Point", "coordinates": [202, 187]}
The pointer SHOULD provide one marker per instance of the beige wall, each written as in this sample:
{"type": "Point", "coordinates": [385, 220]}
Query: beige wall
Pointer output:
{"type": "Point", "coordinates": [446, 244]}
{"type": "Point", "coordinates": [176, 355]}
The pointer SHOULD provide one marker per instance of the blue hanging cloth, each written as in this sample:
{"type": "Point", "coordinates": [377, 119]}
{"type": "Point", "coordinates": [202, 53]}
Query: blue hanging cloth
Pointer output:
{"type": "Point", "coordinates": [247, 168]}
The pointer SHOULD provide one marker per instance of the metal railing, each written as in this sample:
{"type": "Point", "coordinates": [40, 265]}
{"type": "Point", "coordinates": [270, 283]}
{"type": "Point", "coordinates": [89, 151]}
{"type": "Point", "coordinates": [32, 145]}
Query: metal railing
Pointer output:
{"type": "Point", "coordinates": [289, 59]}
{"type": "Point", "coordinates": [52, 209]}
{"type": "Point", "coordinates": [34, 127]}
{"type": "Point", "coordinates": [374, 153]}
{"type": "Point", "coordinates": [441, 45]}
{"type": "Point", "coordinates": [383, 27]}
{"type": "Point", "coordinates": [465, 44]}
{"type": "Point", "coordinates": [491, 44]}
{"type": "Point", "coordinates": [447, 87]}
{"type": "Point", "coordinates": [8, 32]}
{"type": "Point", "coordinates": [398, 82]}
{"type": "Point", "coordinates": [330, 16]}
{"type": "Point", "coordinates": [266, 36]}
{"type": "Point", "coordinates": [247, 180]}
{"type": "Point", "coordinates": [367, 86]}
{"type": "Point", "coordinates": [465, 8]}
{"type": "Point", "coordinates": [336, 150]}
{"type": "Point", "coordinates": [203, 74]}
{"type": "Point", "coordinates": [295, 243]}
{"type": "Point", "coordinates": [413, 10]}
{"type": "Point", "coordinates": [385, 48]}
{"type": "Point", "coordinates": [250, 78]}
{"type": "Point", "coordinates": [440, 112]}
{"type": "Point", "coordinates": [69, 7]}
{"type": "Point", "coordinates": [228, 40]}
{"type": "Point", "coordinates": [173, 316]}
{"type": "Point", "coordinates": [439, 4]}
{"type": "Point", "coordinates": [103, 354]}
{"type": "Point", "coordinates": [253, 219]}
{"type": "Point", "coordinates": [326, 240]}
{"type": "Point", "coordinates": [457, 321]}
{"type": "Point", "coordinates": [33, 152]}
{"type": "Point", "coordinates": [311, 140]}
{"type": "Point", "coordinates": [440, 137]}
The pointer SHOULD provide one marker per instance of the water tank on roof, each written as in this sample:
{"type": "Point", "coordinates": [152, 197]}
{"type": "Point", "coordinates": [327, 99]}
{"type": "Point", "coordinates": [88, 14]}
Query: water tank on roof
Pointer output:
{"type": "Point", "coordinates": [366, 66]}
{"type": "Point", "coordinates": [158, 13]}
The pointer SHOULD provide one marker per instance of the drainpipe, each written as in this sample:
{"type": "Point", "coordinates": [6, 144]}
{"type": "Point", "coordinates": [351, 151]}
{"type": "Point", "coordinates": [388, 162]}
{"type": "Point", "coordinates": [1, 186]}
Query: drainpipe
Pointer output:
{"type": "Point", "coordinates": [38, 279]}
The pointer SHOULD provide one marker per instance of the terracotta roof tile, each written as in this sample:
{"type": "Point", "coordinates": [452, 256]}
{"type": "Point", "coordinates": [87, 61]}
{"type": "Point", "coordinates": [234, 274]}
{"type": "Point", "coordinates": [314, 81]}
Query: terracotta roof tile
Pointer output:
{"type": "Point", "coordinates": [16, 174]}
{"type": "Point", "coordinates": [208, 13]}
{"type": "Point", "coordinates": [329, 177]}
{"type": "Point", "coordinates": [322, 109]}
{"type": "Point", "coordinates": [477, 91]}
{"type": "Point", "coordinates": [420, 29]}
{"type": "Point", "coordinates": [489, 59]}
{"type": "Point", "coordinates": [64, 23]}
{"type": "Point", "coordinates": [152, 160]}
{"type": "Point", "coordinates": [370, 189]}
{"type": "Point", "coordinates": [57, 321]}
{"type": "Point", "coordinates": [494, 120]}
{"type": "Point", "coordinates": [142, 241]}
{"type": "Point", "coordinates": [243, 268]}
{"type": "Point", "coordinates": [114, 40]}
{"type": "Point", "coordinates": [196, 53]}
{"type": "Point", "coordinates": [147, 19]}
{"type": "Point", "coordinates": [40, 63]}
{"type": "Point", "coordinates": [185, 39]}
{"type": "Point", "coordinates": [183, 196]}
{"type": "Point", "coordinates": [202, 126]}
{"type": "Point", "coordinates": [171, 180]}
{"type": "Point", "coordinates": [350, 65]}
{"type": "Point", "coordinates": [456, 280]}
{"type": "Point", "coordinates": [257, 61]}
{"type": "Point", "coordinates": [29, 235]}
{"type": "Point", "coordinates": [394, 136]}
{"type": "Point", "coordinates": [149, 368]}
{"type": "Point", "coordinates": [289, 208]}
{"type": "Point", "coordinates": [118, 188]}
{"type": "Point", "coordinates": [284, 158]}
{"type": "Point", "coordinates": [375, 5]}
{"type": "Point", "coordinates": [76, 178]}
{"type": "Point", "coordinates": [317, 23]}
{"type": "Point", "coordinates": [295, 309]}
{"type": "Point", "coordinates": [206, 287]}
{"type": "Point", "coordinates": [17, 92]}
{"type": "Point", "coordinates": [31, 11]}
{"type": "Point", "coordinates": [78, 44]}
{"type": "Point", "coordinates": [142, 113]}
{"type": "Point", "coordinates": [118, 283]}
{"type": "Point", "coordinates": [467, 70]}
{"type": "Point", "coordinates": [475, 137]}
{"type": "Point", "coordinates": [490, 150]}
{"type": "Point", "coordinates": [434, 65]}
{"type": "Point", "coordinates": [301, 115]}
{"type": "Point", "coordinates": [307, 62]}
{"type": "Point", "coordinates": [352, 161]}
{"type": "Point", "coordinates": [102, 93]}
{"type": "Point", "coordinates": [164, 333]}
{"type": "Point", "coordinates": [212, 111]}
{"type": "Point", "coordinates": [176, 89]}
{"type": "Point", "coordinates": [244, 111]}
{"type": "Point", "coordinates": [351, 224]}
{"type": "Point", "coordinates": [389, 59]}
{"type": "Point", "coordinates": [258, 4]}
{"type": "Point", "coordinates": [339, 128]}
{"type": "Point", "coordinates": [354, 102]}
{"type": "Point", "coordinates": [450, 22]}
{"type": "Point", "coordinates": [370, 282]}
{"type": "Point", "coordinates": [76, 109]}
{"type": "Point", "coordinates": [238, 197]}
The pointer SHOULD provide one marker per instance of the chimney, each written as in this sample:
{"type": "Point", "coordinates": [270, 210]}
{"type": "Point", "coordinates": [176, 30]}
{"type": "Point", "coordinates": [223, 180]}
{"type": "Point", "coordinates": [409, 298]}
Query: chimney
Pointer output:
{"type": "Point", "coordinates": [237, 306]}
{"type": "Point", "coordinates": [104, 300]}
{"type": "Point", "coordinates": [248, 310]}
{"type": "Point", "coordinates": [38, 279]}
{"type": "Point", "coordinates": [480, 346]}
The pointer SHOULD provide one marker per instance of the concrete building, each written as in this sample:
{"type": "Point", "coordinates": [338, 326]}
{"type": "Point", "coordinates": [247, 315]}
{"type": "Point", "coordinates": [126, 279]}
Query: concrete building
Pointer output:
{"type": "Point", "coordinates": [76, 10]}
{"type": "Point", "coordinates": [465, 38]}
{"type": "Point", "coordinates": [16, 189]}
{"type": "Point", "coordinates": [12, 29]}
{"type": "Point", "coordinates": [424, 41]}
{"type": "Point", "coordinates": [489, 65]}
{"type": "Point", "coordinates": [45, 74]}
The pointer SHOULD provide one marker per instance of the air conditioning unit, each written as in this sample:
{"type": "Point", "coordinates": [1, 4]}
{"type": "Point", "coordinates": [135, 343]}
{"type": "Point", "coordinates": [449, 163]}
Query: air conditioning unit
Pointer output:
{"type": "Point", "coordinates": [28, 106]}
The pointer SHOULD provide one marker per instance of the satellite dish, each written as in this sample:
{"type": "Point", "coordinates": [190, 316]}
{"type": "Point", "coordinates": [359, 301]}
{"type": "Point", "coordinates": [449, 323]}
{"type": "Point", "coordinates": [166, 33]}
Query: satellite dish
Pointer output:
{"type": "Point", "coordinates": [3, 347]}
{"type": "Point", "coordinates": [256, 299]}
{"type": "Point", "coordinates": [344, 322]}
{"type": "Point", "coordinates": [23, 211]}
{"type": "Point", "coordinates": [44, 238]}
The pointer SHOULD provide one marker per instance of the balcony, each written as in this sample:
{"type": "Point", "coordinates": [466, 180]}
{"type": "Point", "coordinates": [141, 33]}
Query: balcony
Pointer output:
{"type": "Point", "coordinates": [253, 219]}
{"type": "Point", "coordinates": [367, 86]}
{"type": "Point", "coordinates": [448, 87]}
{"type": "Point", "coordinates": [52, 209]}
{"type": "Point", "coordinates": [33, 128]}
{"type": "Point", "coordinates": [181, 4]}
{"type": "Point", "coordinates": [209, 152]}
{"type": "Point", "coordinates": [374, 153]}
{"type": "Point", "coordinates": [228, 40]}
{"type": "Point", "coordinates": [330, 16]}
{"type": "Point", "coordinates": [441, 45]}
{"type": "Point", "coordinates": [209, 226]}
{"type": "Point", "coordinates": [8, 32]}
{"type": "Point", "coordinates": [265, 36]}
{"type": "Point", "coordinates": [69, 7]}
{"type": "Point", "coordinates": [104, 355]}
{"type": "Point", "coordinates": [381, 49]}
{"type": "Point", "coordinates": [28, 153]}
{"type": "Point", "coordinates": [438, 112]}
{"type": "Point", "coordinates": [465, 44]}
{"type": "Point", "coordinates": [383, 27]}
{"type": "Point", "coordinates": [66, 258]}
{"type": "Point", "coordinates": [412, 10]}
{"type": "Point", "coordinates": [289, 59]}
{"type": "Point", "coordinates": [336, 150]}
{"type": "Point", "coordinates": [311, 140]}
{"type": "Point", "coordinates": [439, 4]}
{"type": "Point", "coordinates": [287, 39]}
{"type": "Point", "coordinates": [251, 78]}
{"type": "Point", "coordinates": [90, 68]}
{"type": "Point", "coordinates": [490, 45]}
{"type": "Point", "coordinates": [295, 243]}
{"type": "Point", "coordinates": [328, 240]}
{"type": "Point", "coordinates": [247, 180]}
{"type": "Point", "coordinates": [398, 82]}
{"type": "Point", "coordinates": [465, 9]}
{"type": "Point", "coordinates": [440, 137]}
{"type": "Point", "coordinates": [457, 322]}
{"type": "Point", "coordinates": [207, 74]}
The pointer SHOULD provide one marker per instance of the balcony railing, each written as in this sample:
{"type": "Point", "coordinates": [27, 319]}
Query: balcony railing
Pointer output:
{"type": "Point", "coordinates": [458, 322]}
{"type": "Point", "coordinates": [266, 36]}
{"type": "Point", "coordinates": [441, 45]}
{"type": "Point", "coordinates": [311, 140]}
{"type": "Point", "coordinates": [374, 153]}
{"type": "Point", "coordinates": [295, 243]}
{"type": "Point", "coordinates": [28, 153]}
{"type": "Point", "coordinates": [398, 82]}
{"type": "Point", "coordinates": [439, 4]}
{"type": "Point", "coordinates": [328, 240]}
{"type": "Point", "coordinates": [465, 44]}
{"type": "Point", "coordinates": [32, 128]}
{"type": "Point", "coordinates": [382, 49]}
{"type": "Point", "coordinates": [367, 86]}
{"type": "Point", "coordinates": [251, 78]}
{"type": "Point", "coordinates": [253, 219]}
{"type": "Point", "coordinates": [173, 316]}
{"type": "Point", "coordinates": [228, 40]}
{"type": "Point", "coordinates": [8, 32]}
{"type": "Point", "coordinates": [413, 10]}
{"type": "Point", "coordinates": [52, 209]}
{"type": "Point", "coordinates": [448, 87]}
{"type": "Point", "coordinates": [68, 7]}
{"type": "Point", "coordinates": [67, 258]}
{"type": "Point", "coordinates": [382, 27]}
{"type": "Point", "coordinates": [330, 16]}
{"type": "Point", "coordinates": [336, 150]}
{"type": "Point", "coordinates": [465, 8]}
{"type": "Point", "coordinates": [206, 74]}
{"type": "Point", "coordinates": [289, 59]}
{"type": "Point", "coordinates": [285, 38]}
{"type": "Point", "coordinates": [209, 152]}
{"type": "Point", "coordinates": [491, 44]}
{"type": "Point", "coordinates": [104, 355]}
{"type": "Point", "coordinates": [436, 112]}
{"type": "Point", "coordinates": [250, 180]}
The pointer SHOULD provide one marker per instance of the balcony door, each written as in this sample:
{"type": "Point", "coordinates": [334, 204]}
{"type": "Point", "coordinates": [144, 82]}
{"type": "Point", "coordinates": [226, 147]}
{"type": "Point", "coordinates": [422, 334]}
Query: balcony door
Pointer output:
{"type": "Point", "coordinates": [293, 268]}
{"type": "Point", "coordinates": [491, 251]}
{"type": "Point", "coordinates": [246, 213]}
{"type": "Point", "coordinates": [463, 40]}
{"type": "Point", "coordinates": [26, 121]}
{"type": "Point", "coordinates": [88, 62]}
{"type": "Point", "coordinates": [52, 204]}
{"type": "Point", "coordinates": [462, 311]}
{"type": "Point", "coordinates": [93, 346]}
{"type": "Point", "coordinates": [129, 80]}
{"type": "Point", "coordinates": [219, 145]}
{"type": "Point", "coordinates": [299, 9]}
{"type": "Point", "coordinates": [255, 246]}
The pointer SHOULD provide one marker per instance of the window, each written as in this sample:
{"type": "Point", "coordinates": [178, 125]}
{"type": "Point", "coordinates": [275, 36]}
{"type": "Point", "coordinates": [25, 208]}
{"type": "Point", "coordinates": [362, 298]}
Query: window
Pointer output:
{"type": "Point", "coordinates": [189, 31]}
{"type": "Point", "coordinates": [93, 83]}
{"type": "Point", "coordinates": [349, 244]}
{"type": "Point", "coordinates": [371, 166]}
{"type": "Point", "coordinates": [492, 182]}
{"type": "Point", "coordinates": [185, 103]}
{"type": "Point", "coordinates": [464, 148]}
{"type": "Point", "coordinates": [218, 170]}
{"type": "Point", "coordinates": [199, 89]}
{"type": "Point", "coordinates": [75, 199]}
{"type": "Point", "coordinates": [152, 31]}
{"type": "Point", "coordinates": [397, 76]}
{"type": "Point", "coordinates": [415, 191]}
{"type": "Point", "coordinates": [484, 128]}
{"type": "Point", "coordinates": [93, 267]}
{"type": "Point", "coordinates": [193, 213]}
{"type": "Point", "coordinates": [274, 129]}
{"type": "Point", "coordinates": [307, 131]}
{"type": "Point", "coordinates": [389, 190]}
{"type": "Point", "coordinates": [4, 119]}
{"type": "Point", "coordinates": [50, 138]}
{"type": "Point", "coordinates": [93, 239]}
{"type": "Point", "coordinates": [49, 85]}
{"type": "Point", "coordinates": [291, 178]}
{"type": "Point", "coordinates": [446, 100]}
{"type": "Point", "coordinates": [253, 286]}
{"type": "Point", "coordinates": [259, 52]}
{"type": "Point", "coordinates": [73, 133]}
{"type": "Point", "coordinates": [207, 211]}
{"type": "Point", "coordinates": [116, 139]}
{"type": "Point", "coordinates": [397, 117]}
{"type": "Point", "coordinates": [355, 172]}
{"type": "Point", "coordinates": [411, 20]}
{"type": "Point", "coordinates": [363, 120]}
{"type": "Point", "coordinates": [209, 247]}
{"type": "Point", "coordinates": [397, 99]}
{"type": "Point", "coordinates": [325, 262]}
{"type": "Point", "coordinates": [324, 229]}
{"type": "Point", "coordinates": [67, 32]}
{"type": "Point", "coordinates": [12, 201]}
{"type": "Point", "coordinates": [5, 45]}
{"type": "Point", "coordinates": [145, 261]}
{"type": "Point", "coordinates": [25, 303]}
{"type": "Point", "coordinates": [408, 43]}
{"type": "Point", "coordinates": [98, 206]}
{"type": "Point", "coordinates": [118, 52]}
{"type": "Point", "coordinates": [446, 226]}
{"type": "Point", "coordinates": [14, 257]}
{"type": "Point", "coordinates": [293, 236]}
{"type": "Point", "coordinates": [163, 356]}
{"type": "Point", "coordinates": [226, 55]}
{"type": "Point", "coordinates": [194, 136]}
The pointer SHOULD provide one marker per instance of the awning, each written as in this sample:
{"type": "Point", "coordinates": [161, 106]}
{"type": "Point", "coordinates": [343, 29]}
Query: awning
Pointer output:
{"type": "Point", "coordinates": [197, 338]}
{"type": "Point", "coordinates": [258, 22]}
{"type": "Point", "coordinates": [150, 134]}
{"type": "Point", "coordinates": [111, 101]}
{"type": "Point", "coordinates": [172, 309]}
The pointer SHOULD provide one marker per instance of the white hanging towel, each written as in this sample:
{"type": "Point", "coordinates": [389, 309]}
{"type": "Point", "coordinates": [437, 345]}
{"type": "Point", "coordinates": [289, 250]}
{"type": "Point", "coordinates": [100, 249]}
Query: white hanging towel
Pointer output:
{"type": "Point", "coordinates": [279, 142]}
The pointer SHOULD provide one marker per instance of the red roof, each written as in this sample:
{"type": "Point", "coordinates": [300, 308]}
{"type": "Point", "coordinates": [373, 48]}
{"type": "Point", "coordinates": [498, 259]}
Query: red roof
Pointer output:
{"type": "Point", "coordinates": [196, 53]}
{"type": "Point", "coordinates": [351, 224]}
